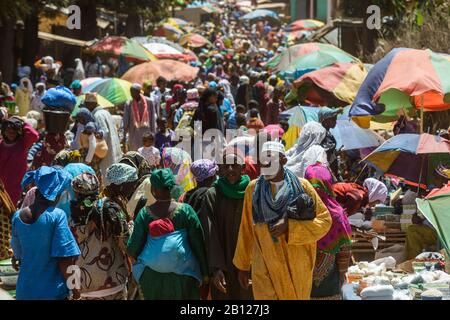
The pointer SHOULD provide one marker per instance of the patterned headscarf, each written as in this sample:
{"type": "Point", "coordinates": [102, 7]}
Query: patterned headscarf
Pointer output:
{"type": "Point", "coordinates": [136, 160]}
{"type": "Point", "coordinates": [203, 169]}
{"type": "Point", "coordinates": [86, 184]}
{"type": "Point", "coordinates": [120, 173]}
{"type": "Point", "coordinates": [64, 157]}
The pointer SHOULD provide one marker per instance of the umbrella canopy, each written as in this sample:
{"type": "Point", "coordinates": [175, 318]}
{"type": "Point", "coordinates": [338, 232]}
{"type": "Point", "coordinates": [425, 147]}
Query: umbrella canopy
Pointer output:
{"type": "Point", "coordinates": [101, 102]}
{"type": "Point", "coordinates": [435, 209]}
{"type": "Point", "coordinates": [305, 24]}
{"type": "Point", "coordinates": [116, 91]}
{"type": "Point", "coordinates": [194, 40]}
{"type": "Point", "coordinates": [348, 135]}
{"type": "Point", "coordinates": [165, 51]}
{"type": "Point", "coordinates": [169, 69]}
{"type": "Point", "coordinates": [88, 81]}
{"type": "Point", "coordinates": [176, 22]}
{"type": "Point", "coordinates": [283, 60]}
{"type": "Point", "coordinates": [168, 31]}
{"type": "Point", "coordinates": [163, 40]}
{"type": "Point", "coordinates": [404, 80]}
{"type": "Point", "coordinates": [117, 46]}
{"type": "Point", "coordinates": [336, 85]}
{"type": "Point", "coordinates": [411, 157]}
{"type": "Point", "coordinates": [261, 14]}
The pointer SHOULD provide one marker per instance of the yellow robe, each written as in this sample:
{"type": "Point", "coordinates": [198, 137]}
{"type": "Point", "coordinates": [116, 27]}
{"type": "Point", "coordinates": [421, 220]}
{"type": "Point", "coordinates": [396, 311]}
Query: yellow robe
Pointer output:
{"type": "Point", "coordinates": [280, 270]}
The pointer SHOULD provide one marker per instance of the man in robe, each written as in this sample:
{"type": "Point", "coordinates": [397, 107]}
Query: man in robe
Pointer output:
{"type": "Point", "coordinates": [139, 118]}
{"type": "Point", "coordinates": [279, 249]}
{"type": "Point", "coordinates": [105, 123]}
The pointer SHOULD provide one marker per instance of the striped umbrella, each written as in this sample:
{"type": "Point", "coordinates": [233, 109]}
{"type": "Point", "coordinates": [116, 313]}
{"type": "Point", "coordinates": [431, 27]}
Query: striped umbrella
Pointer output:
{"type": "Point", "coordinates": [168, 31]}
{"type": "Point", "coordinates": [305, 24]}
{"type": "Point", "coordinates": [115, 90]}
{"type": "Point", "coordinates": [169, 69]}
{"type": "Point", "coordinates": [194, 40]}
{"type": "Point", "coordinates": [404, 80]}
{"type": "Point", "coordinates": [117, 46]}
{"type": "Point", "coordinates": [287, 60]}
{"type": "Point", "coordinates": [411, 157]}
{"type": "Point", "coordinates": [336, 85]}
{"type": "Point", "coordinates": [88, 81]}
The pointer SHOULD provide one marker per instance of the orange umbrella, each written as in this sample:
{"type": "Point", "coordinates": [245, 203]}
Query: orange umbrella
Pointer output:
{"type": "Point", "coordinates": [169, 69]}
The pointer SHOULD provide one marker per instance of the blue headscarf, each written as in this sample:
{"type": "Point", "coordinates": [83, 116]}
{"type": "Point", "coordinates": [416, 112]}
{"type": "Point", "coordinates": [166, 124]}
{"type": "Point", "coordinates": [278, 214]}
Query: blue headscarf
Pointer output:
{"type": "Point", "coordinates": [75, 169]}
{"type": "Point", "coordinates": [86, 115]}
{"type": "Point", "coordinates": [50, 181]}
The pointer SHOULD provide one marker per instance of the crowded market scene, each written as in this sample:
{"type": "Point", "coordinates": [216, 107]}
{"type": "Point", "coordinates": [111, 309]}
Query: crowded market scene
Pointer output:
{"type": "Point", "coordinates": [225, 150]}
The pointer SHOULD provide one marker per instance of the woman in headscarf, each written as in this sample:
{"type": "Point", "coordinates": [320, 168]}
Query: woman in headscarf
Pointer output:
{"type": "Point", "coordinates": [333, 250]}
{"type": "Point", "coordinates": [79, 70]}
{"type": "Point", "coordinates": [179, 162]}
{"type": "Point", "coordinates": [178, 98]}
{"type": "Point", "coordinates": [17, 138]}
{"type": "Point", "coordinates": [263, 98]}
{"type": "Point", "coordinates": [23, 96]}
{"type": "Point", "coordinates": [225, 86]}
{"type": "Point", "coordinates": [101, 230]}
{"type": "Point", "coordinates": [243, 92]}
{"type": "Point", "coordinates": [208, 112]}
{"type": "Point", "coordinates": [222, 209]}
{"type": "Point", "coordinates": [35, 102]}
{"type": "Point", "coordinates": [204, 172]}
{"type": "Point", "coordinates": [142, 195]}
{"type": "Point", "coordinates": [354, 197]}
{"type": "Point", "coordinates": [307, 149]}
{"type": "Point", "coordinates": [177, 226]}
{"type": "Point", "coordinates": [44, 248]}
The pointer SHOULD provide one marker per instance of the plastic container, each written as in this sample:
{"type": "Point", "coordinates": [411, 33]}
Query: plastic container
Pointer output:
{"type": "Point", "coordinates": [8, 276]}
{"type": "Point", "coordinates": [56, 121]}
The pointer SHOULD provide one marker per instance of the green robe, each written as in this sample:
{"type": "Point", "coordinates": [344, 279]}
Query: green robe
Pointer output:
{"type": "Point", "coordinates": [169, 286]}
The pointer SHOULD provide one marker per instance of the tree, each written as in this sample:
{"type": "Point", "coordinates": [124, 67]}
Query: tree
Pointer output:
{"type": "Point", "coordinates": [10, 12]}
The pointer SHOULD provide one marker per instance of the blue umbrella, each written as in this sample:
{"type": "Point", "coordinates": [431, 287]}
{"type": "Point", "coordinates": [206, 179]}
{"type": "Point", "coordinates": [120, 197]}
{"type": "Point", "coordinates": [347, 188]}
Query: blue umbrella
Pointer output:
{"type": "Point", "coordinates": [261, 14]}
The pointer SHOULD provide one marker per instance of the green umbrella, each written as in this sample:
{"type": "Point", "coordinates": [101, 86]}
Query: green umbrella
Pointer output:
{"type": "Point", "coordinates": [116, 91]}
{"type": "Point", "coordinates": [435, 208]}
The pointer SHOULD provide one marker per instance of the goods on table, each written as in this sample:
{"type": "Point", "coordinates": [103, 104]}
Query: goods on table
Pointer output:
{"type": "Point", "coordinates": [8, 276]}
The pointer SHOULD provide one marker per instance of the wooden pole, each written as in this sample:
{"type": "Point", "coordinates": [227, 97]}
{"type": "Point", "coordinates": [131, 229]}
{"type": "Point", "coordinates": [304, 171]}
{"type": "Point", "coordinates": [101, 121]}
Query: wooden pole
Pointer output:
{"type": "Point", "coordinates": [421, 114]}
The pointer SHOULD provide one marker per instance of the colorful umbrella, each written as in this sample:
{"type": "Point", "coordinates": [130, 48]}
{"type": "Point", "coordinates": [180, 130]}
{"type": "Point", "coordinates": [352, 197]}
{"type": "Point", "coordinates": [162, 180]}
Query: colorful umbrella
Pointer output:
{"type": "Point", "coordinates": [347, 134]}
{"type": "Point", "coordinates": [403, 80]}
{"type": "Point", "coordinates": [169, 69]}
{"type": "Point", "coordinates": [115, 90]}
{"type": "Point", "coordinates": [164, 51]}
{"type": "Point", "coordinates": [176, 22]}
{"type": "Point", "coordinates": [163, 40]}
{"type": "Point", "coordinates": [101, 102]}
{"type": "Point", "coordinates": [261, 14]}
{"type": "Point", "coordinates": [411, 157]}
{"type": "Point", "coordinates": [305, 24]}
{"type": "Point", "coordinates": [168, 31]}
{"type": "Point", "coordinates": [116, 46]}
{"type": "Point", "coordinates": [336, 85]}
{"type": "Point", "coordinates": [435, 208]}
{"type": "Point", "coordinates": [86, 82]}
{"type": "Point", "coordinates": [194, 40]}
{"type": "Point", "coordinates": [283, 60]}
{"type": "Point", "coordinates": [295, 36]}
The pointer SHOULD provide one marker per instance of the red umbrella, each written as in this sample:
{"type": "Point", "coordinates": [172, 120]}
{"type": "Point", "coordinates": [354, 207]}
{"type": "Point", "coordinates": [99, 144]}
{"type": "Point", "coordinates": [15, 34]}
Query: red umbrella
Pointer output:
{"type": "Point", "coordinates": [169, 69]}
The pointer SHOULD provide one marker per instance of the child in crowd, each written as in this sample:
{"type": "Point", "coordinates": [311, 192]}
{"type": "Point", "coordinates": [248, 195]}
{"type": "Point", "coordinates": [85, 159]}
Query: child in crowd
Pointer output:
{"type": "Point", "coordinates": [255, 122]}
{"type": "Point", "coordinates": [164, 137]}
{"type": "Point", "coordinates": [148, 151]}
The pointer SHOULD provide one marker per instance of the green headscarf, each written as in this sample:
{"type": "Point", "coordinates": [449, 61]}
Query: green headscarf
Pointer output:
{"type": "Point", "coordinates": [233, 191]}
{"type": "Point", "coordinates": [162, 179]}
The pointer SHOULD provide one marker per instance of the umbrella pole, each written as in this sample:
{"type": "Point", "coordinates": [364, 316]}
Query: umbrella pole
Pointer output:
{"type": "Point", "coordinates": [421, 114]}
{"type": "Point", "coordinates": [421, 171]}
{"type": "Point", "coordinates": [362, 170]}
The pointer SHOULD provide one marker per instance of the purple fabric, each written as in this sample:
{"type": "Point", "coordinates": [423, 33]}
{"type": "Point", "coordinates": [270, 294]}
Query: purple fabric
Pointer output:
{"type": "Point", "coordinates": [340, 233]}
{"type": "Point", "coordinates": [203, 169]}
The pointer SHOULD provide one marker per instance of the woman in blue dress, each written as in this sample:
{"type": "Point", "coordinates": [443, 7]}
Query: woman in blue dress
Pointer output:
{"type": "Point", "coordinates": [44, 248]}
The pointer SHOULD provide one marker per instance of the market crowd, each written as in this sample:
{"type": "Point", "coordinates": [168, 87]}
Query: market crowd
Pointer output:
{"type": "Point", "coordinates": [117, 197]}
